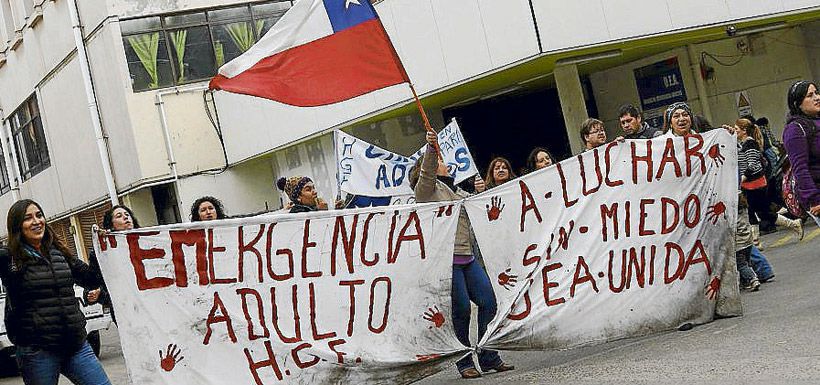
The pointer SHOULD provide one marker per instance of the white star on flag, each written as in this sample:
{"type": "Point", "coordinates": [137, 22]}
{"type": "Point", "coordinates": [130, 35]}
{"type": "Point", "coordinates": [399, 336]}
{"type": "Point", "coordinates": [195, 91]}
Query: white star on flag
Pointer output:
{"type": "Point", "coordinates": [348, 2]}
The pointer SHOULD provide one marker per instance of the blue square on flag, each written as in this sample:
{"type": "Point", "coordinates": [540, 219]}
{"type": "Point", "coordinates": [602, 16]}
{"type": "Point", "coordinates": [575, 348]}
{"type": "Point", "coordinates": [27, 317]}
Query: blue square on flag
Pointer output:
{"type": "Point", "coordinates": [344, 14]}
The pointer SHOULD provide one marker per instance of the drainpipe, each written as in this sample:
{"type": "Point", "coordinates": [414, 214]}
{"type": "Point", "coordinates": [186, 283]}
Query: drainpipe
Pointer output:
{"type": "Point", "coordinates": [166, 133]}
{"type": "Point", "coordinates": [82, 58]}
{"type": "Point", "coordinates": [15, 189]}
{"type": "Point", "coordinates": [700, 85]}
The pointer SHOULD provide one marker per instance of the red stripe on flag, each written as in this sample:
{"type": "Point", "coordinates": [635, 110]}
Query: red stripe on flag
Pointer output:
{"type": "Point", "coordinates": [329, 70]}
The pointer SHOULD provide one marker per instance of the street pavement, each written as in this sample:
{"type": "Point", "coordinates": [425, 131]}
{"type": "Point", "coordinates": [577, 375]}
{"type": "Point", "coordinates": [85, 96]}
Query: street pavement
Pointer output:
{"type": "Point", "coordinates": [776, 341]}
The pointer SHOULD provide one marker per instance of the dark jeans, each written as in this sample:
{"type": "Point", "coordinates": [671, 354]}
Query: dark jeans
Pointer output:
{"type": "Point", "coordinates": [42, 367]}
{"type": "Point", "coordinates": [759, 206]}
{"type": "Point", "coordinates": [470, 283]}
{"type": "Point", "coordinates": [746, 272]}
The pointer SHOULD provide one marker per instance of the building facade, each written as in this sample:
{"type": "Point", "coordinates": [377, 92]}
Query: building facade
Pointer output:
{"type": "Point", "coordinates": [515, 73]}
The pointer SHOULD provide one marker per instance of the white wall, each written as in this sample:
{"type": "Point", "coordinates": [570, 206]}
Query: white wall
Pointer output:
{"type": "Point", "coordinates": [244, 189]}
{"type": "Point", "coordinates": [112, 85]}
{"type": "Point", "coordinates": [42, 49]}
{"type": "Point", "coordinates": [766, 73]}
{"type": "Point", "coordinates": [566, 24]}
{"type": "Point", "coordinates": [75, 161]}
{"type": "Point", "coordinates": [440, 42]}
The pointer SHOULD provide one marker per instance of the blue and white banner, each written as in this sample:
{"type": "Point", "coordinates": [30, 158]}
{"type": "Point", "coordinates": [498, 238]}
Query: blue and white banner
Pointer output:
{"type": "Point", "coordinates": [365, 169]}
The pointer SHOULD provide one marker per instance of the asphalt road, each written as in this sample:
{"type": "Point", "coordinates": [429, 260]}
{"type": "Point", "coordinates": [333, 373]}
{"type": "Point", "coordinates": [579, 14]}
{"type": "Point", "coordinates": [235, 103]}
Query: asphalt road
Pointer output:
{"type": "Point", "coordinates": [776, 341]}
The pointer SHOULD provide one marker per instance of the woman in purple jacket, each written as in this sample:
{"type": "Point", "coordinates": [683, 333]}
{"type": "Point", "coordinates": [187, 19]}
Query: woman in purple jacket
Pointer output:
{"type": "Point", "coordinates": [803, 144]}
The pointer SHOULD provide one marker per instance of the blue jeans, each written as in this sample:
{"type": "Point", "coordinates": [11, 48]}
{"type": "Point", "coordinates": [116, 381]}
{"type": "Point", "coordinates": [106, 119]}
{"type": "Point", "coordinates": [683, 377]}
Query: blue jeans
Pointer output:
{"type": "Point", "coordinates": [42, 367]}
{"type": "Point", "coordinates": [746, 272]}
{"type": "Point", "coordinates": [470, 283]}
{"type": "Point", "coordinates": [761, 265]}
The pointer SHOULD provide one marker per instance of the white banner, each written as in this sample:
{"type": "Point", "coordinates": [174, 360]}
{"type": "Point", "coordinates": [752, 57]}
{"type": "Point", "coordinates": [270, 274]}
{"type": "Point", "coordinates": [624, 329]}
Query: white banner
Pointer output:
{"type": "Point", "coordinates": [328, 297]}
{"type": "Point", "coordinates": [365, 169]}
{"type": "Point", "coordinates": [623, 240]}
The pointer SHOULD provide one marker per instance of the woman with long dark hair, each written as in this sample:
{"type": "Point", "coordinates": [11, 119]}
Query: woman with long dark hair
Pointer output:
{"type": "Point", "coordinates": [803, 144]}
{"type": "Point", "coordinates": [539, 158]}
{"type": "Point", "coordinates": [117, 218]}
{"type": "Point", "coordinates": [207, 208]}
{"type": "Point", "coordinates": [43, 317]}
{"type": "Point", "coordinates": [432, 183]}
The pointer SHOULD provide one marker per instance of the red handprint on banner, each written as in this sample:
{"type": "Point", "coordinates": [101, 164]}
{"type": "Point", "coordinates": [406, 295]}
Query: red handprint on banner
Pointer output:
{"type": "Point", "coordinates": [714, 212]}
{"type": "Point", "coordinates": [717, 157]}
{"type": "Point", "coordinates": [713, 288]}
{"type": "Point", "coordinates": [171, 358]}
{"type": "Point", "coordinates": [494, 211]}
{"type": "Point", "coordinates": [507, 280]}
{"type": "Point", "coordinates": [435, 316]}
{"type": "Point", "coordinates": [444, 211]}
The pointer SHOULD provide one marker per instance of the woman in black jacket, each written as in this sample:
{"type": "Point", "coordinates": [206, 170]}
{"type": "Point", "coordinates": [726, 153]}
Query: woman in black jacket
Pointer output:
{"type": "Point", "coordinates": [43, 317]}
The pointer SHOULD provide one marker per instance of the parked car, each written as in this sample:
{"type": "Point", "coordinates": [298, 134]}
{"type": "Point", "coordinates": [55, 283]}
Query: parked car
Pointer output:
{"type": "Point", "coordinates": [97, 318]}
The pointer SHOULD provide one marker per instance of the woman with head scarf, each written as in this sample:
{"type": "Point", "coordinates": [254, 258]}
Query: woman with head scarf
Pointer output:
{"type": "Point", "coordinates": [302, 193]}
{"type": "Point", "coordinates": [803, 144]}
{"type": "Point", "coordinates": [677, 120]}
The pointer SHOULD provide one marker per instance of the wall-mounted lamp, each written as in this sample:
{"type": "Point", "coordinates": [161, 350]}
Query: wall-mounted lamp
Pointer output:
{"type": "Point", "coordinates": [732, 30]}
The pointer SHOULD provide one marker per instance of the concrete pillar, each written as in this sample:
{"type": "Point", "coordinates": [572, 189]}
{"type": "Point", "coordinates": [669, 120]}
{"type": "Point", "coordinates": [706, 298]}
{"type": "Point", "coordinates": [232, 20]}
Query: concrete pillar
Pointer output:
{"type": "Point", "coordinates": [700, 85]}
{"type": "Point", "coordinates": [573, 105]}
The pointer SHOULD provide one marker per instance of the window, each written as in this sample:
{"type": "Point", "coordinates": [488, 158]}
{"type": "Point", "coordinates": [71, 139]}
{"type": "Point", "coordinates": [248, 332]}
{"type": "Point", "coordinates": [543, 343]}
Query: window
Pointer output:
{"type": "Point", "coordinates": [29, 139]}
{"type": "Point", "coordinates": [176, 49]}
{"type": "Point", "coordinates": [5, 182]}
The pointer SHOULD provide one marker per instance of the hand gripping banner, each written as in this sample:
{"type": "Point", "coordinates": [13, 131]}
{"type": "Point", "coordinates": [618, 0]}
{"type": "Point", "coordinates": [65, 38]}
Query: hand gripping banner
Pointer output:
{"type": "Point", "coordinates": [328, 297]}
{"type": "Point", "coordinates": [622, 240]}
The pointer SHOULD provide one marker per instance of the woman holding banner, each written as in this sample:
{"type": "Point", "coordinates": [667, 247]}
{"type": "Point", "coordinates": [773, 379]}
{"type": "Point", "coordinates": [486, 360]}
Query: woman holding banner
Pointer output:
{"type": "Point", "coordinates": [118, 218]}
{"type": "Point", "coordinates": [432, 183]}
{"type": "Point", "coordinates": [207, 208]}
{"type": "Point", "coordinates": [43, 317]}
{"type": "Point", "coordinates": [539, 158]}
{"type": "Point", "coordinates": [302, 193]}
{"type": "Point", "coordinates": [499, 172]}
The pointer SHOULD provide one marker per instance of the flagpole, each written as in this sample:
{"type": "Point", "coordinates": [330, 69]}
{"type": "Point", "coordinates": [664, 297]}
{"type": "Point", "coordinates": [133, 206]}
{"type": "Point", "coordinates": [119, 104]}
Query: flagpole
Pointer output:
{"type": "Point", "coordinates": [424, 118]}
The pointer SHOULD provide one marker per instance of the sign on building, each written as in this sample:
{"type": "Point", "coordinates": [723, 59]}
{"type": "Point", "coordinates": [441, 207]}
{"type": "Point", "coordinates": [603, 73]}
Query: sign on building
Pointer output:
{"type": "Point", "coordinates": [660, 84]}
{"type": "Point", "coordinates": [743, 103]}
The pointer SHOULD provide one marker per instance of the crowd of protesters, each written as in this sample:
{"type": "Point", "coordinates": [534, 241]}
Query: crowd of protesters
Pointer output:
{"type": "Point", "coordinates": [776, 179]}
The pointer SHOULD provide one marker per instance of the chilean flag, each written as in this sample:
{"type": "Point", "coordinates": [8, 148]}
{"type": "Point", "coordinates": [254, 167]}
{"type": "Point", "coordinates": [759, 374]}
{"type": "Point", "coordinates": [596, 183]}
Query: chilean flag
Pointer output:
{"type": "Point", "coordinates": [320, 52]}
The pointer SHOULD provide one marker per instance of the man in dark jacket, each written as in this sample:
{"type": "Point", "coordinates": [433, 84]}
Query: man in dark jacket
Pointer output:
{"type": "Point", "coordinates": [632, 123]}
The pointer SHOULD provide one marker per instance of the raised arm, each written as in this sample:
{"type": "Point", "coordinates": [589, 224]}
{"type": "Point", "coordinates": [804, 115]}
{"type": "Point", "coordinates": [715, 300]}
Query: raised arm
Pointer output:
{"type": "Point", "coordinates": [427, 175]}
